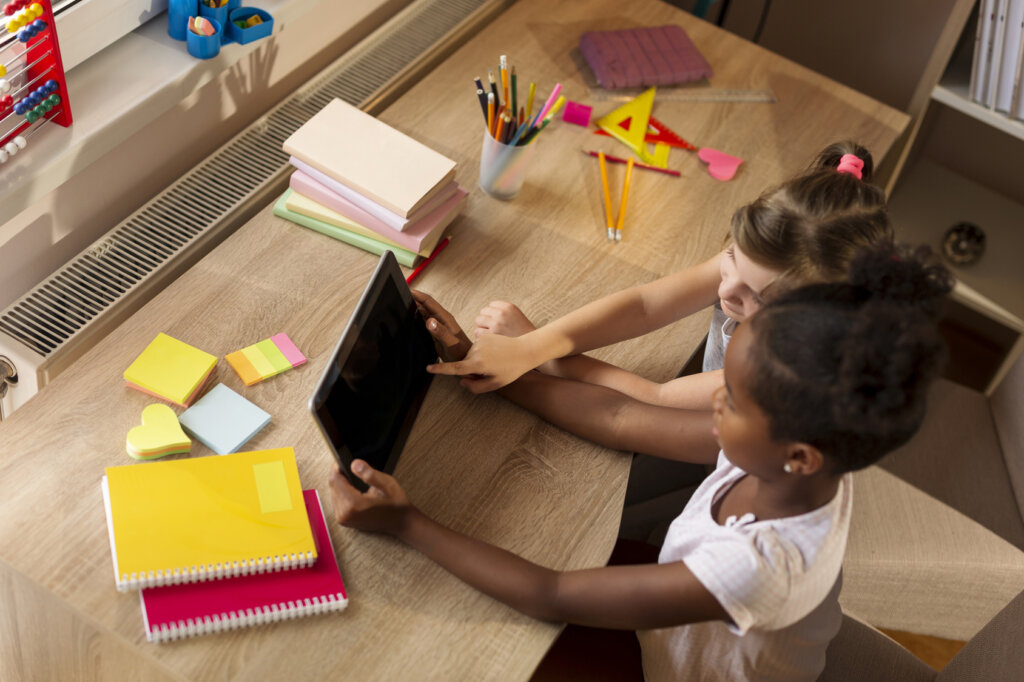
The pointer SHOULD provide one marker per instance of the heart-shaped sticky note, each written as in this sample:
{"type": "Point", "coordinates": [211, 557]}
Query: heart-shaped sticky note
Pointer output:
{"type": "Point", "coordinates": [160, 434]}
{"type": "Point", "coordinates": [720, 166]}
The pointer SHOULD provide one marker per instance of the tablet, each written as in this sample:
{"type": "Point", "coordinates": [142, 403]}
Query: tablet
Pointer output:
{"type": "Point", "coordinates": [375, 381]}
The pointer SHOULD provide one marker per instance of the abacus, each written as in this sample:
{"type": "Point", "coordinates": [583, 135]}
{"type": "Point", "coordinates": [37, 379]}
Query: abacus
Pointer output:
{"type": "Point", "coordinates": [33, 90]}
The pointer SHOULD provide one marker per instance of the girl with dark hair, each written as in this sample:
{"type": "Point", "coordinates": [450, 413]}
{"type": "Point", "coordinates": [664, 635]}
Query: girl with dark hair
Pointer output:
{"type": "Point", "coordinates": [824, 380]}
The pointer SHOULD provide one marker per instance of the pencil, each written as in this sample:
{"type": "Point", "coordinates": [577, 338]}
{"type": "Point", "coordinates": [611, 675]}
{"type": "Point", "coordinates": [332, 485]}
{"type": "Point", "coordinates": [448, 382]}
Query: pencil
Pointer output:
{"type": "Point", "coordinates": [504, 77]}
{"type": "Point", "coordinates": [433, 254]}
{"type": "Point", "coordinates": [483, 100]}
{"type": "Point", "coordinates": [607, 197]}
{"type": "Point", "coordinates": [515, 105]}
{"type": "Point", "coordinates": [501, 128]}
{"type": "Point", "coordinates": [490, 113]}
{"type": "Point", "coordinates": [529, 100]}
{"type": "Point", "coordinates": [615, 159]}
{"type": "Point", "coordinates": [625, 198]}
{"type": "Point", "coordinates": [494, 88]}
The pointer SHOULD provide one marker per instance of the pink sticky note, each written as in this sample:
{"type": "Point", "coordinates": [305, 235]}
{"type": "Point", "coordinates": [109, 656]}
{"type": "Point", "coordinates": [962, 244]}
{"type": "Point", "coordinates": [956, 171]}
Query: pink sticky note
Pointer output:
{"type": "Point", "coordinates": [577, 113]}
{"type": "Point", "coordinates": [288, 349]}
{"type": "Point", "coordinates": [721, 166]}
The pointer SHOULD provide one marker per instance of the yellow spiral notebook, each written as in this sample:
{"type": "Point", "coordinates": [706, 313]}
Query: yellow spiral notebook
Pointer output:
{"type": "Point", "coordinates": [206, 518]}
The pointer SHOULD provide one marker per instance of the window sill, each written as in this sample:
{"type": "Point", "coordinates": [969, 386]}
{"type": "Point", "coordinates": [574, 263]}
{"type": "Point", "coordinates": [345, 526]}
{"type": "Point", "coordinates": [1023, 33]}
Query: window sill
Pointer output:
{"type": "Point", "coordinates": [116, 93]}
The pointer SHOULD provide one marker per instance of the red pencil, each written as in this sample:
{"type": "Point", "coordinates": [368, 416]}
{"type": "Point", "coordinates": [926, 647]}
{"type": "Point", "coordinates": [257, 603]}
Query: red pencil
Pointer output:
{"type": "Point", "coordinates": [433, 254]}
{"type": "Point", "coordinates": [615, 159]}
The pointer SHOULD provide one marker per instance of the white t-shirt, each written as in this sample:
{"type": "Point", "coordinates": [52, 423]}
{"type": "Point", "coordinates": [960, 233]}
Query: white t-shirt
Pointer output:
{"type": "Point", "coordinates": [722, 327]}
{"type": "Point", "coordinates": [778, 580]}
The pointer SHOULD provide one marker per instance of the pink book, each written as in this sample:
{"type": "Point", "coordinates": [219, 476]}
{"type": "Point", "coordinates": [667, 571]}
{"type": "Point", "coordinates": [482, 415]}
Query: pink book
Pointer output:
{"type": "Point", "coordinates": [371, 208]}
{"type": "Point", "coordinates": [421, 235]}
{"type": "Point", "coordinates": [180, 611]}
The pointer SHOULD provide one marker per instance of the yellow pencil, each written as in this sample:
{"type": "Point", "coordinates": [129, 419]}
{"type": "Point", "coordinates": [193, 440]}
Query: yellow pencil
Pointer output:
{"type": "Point", "coordinates": [529, 100]}
{"type": "Point", "coordinates": [607, 197]}
{"type": "Point", "coordinates": [625, 198]}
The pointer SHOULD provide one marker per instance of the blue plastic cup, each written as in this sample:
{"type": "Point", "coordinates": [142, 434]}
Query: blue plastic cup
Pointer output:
{"type": "Point", "coordinates": [178, 12]}
{"type": "Point", "coordinates": [205, 47]}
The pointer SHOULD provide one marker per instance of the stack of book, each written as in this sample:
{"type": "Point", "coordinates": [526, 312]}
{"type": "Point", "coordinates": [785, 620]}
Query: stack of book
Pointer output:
{"type": "Point", "coordinates": [214, 543]}
{"type": "Point", "coordinates": [363, 182]}
{"type": "Point", "coordinates": [997, 72]}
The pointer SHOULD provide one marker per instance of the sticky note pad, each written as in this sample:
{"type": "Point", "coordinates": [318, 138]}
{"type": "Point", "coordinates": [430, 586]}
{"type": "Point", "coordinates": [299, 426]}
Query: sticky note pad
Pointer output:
{"type": "Point", "coordinates": [159, 434]}
{"type": "Point", "coordinates": [223, 421]}
{"type": "Point", "coordinates": [170, 369]}
{"type": "Point", "coordinates": [265, 359]}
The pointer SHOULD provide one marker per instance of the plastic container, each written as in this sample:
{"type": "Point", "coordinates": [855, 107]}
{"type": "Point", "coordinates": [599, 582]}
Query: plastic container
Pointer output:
{"type": "Point", "coordinates": [218, 14]}
{"type": "Point", "coordinates": [178, 12]}
{"type": "Point", "coordinates": [503, 168]}
{"type": "Point", "coordinates": [247, 35]}
{"type": "Point", "coordinates": [205, 47]}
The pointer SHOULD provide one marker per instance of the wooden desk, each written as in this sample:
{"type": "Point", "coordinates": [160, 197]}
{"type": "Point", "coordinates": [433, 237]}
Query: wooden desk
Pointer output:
{"type": "Point", "coordinates": [480, 464]}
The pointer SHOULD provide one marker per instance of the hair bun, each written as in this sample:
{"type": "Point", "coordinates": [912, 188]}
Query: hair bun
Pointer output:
{"type": "Point", "coordinates": [901, 274]}
{"type": "Point", "coordinates": [831, 157]}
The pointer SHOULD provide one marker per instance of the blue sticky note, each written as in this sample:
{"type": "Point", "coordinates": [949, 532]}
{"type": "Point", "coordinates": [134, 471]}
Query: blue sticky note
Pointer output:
{"type": "Point", "coordinates": [223, 421]}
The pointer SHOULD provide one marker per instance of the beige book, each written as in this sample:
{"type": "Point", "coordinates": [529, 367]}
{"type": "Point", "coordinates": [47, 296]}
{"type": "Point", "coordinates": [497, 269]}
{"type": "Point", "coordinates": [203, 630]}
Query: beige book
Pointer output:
{"type": "Point", "coordinates": [383, 164]}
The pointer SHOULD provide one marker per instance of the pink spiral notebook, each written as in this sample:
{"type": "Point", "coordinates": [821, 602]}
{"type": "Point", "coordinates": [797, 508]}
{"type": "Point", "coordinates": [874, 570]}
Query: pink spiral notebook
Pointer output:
{"type": "Point", "coordinates": [180, 611]}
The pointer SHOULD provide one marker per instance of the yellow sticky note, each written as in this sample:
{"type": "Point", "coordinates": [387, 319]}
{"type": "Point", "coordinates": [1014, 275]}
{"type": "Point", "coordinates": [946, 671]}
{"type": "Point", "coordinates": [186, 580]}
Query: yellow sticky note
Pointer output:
{"type": "Point", "coordinates": [272, 487]}
{"type": "Point", "coordinates": [170, 369]}
{"type": "Point", "coordinates": [259, 361]}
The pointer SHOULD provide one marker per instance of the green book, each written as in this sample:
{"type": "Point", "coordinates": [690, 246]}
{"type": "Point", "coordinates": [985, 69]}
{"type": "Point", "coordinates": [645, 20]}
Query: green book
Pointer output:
{"type": "Point", "coordinates": [404, 257]}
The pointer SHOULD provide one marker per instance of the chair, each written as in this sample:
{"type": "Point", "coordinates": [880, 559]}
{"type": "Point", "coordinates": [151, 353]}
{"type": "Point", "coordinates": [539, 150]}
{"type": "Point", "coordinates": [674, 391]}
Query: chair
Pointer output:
{"type": "Point", "coordinates": [937, 532]}
{"type": "Point", "coordinates": [859, 652]}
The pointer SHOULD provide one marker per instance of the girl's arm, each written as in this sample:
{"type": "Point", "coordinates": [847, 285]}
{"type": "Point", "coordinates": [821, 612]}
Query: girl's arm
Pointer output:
{"type": "Point", "coordinates": [691, 392]}
{"type": "Point", "coordinates": [495, 360]}
{"type": "Point", "coordinates": [622, 597]}
{"type": "Point", "coordinates": [597, 413]}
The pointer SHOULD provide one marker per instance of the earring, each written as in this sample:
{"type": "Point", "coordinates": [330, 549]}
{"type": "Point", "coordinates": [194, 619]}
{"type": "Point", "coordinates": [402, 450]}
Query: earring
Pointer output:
{"type": "Point", "coordinates": [787, 468]}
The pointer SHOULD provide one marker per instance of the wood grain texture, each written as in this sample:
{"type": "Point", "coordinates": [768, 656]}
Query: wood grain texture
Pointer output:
{"type": "Point", "coordinates": [479, 464]}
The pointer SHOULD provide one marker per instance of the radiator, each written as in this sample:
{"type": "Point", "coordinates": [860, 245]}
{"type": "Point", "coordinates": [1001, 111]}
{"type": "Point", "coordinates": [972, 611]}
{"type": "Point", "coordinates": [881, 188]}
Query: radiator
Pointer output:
{"type": "Point", "coordinates": [65, 315]}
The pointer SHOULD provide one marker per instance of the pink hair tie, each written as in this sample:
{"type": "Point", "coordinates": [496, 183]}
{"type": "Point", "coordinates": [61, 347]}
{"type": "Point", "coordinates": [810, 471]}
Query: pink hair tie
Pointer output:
{"type": "Point", "coordinates": [852, 164]}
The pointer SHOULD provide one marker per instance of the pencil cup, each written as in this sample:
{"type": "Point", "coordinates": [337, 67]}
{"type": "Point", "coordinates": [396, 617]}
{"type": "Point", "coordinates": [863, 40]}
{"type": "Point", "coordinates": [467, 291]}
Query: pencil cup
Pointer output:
{"type": "Point", "coordinates": [503, 168]}
{"type": "Point", "coordinates": [178, 12]}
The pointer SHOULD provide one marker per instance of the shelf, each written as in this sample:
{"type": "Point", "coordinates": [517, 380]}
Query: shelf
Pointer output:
{"type": "Point", "coordinates": [954, 92]}
{"type": "Point", "coordinates": [931, 198]}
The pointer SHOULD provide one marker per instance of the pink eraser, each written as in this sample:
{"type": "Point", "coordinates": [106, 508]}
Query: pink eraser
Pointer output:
{"type": "Point", "coordinates": [721, 166]}
{"type": "Point", "coordinates": [288, 349]}
{"type": "Point", "coordinates": [577, 113]}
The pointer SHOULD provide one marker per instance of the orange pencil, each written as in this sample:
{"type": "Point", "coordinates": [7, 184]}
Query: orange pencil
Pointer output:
{"type": "Point", "coordinates": [607, 197]}
{"type": "Point", "coordinates": [490, 113]}
{"type": "Point", "coordinates": [501, 127]}
{"type": "Point", "coordinates": [625, 197]}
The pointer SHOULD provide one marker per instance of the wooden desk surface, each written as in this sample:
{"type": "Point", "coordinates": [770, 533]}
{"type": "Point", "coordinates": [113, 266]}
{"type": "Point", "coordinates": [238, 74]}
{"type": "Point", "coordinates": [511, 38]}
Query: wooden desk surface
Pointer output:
{"type": "Point", "coordinates": [479, 464]}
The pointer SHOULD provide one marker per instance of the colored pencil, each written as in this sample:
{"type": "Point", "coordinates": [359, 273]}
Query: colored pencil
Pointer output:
{"type": "Point", "coordinates": [607, 197]}
{"type": "Point", "coordinates": [615, 159]}
{"type": "Point", "coordinates": [625, 198]}
{"type": "Point", "coordinates": [490, 113]}
{"type": "Point", "coordinates": [429, 259]}
{"type": "Point", "coordinates": [483, 100]}
{"type": "Point", "coordinates": [529, 99]}
{"type": "Point", "coordinates": [494, 88]}
{"type": "Point", "coordinates": [515, 105]}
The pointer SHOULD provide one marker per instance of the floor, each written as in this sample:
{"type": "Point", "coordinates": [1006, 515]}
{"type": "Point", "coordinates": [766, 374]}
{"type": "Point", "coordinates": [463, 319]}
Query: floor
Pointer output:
{"type": "Point", "coordinates": [934, 651]}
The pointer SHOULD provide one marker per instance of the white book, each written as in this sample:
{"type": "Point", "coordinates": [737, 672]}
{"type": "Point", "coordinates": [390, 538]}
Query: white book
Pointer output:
{"type": "Point", "coordinates": [379, 162]}
{"type": "Point", "coordinates": [996, 53]}
{"type": "Point", "coordinates": [1017, 99]}
{"type": "Point", "coordinates": [1011, 49]}
{"type": "Point", "coordinates": [982, 50]}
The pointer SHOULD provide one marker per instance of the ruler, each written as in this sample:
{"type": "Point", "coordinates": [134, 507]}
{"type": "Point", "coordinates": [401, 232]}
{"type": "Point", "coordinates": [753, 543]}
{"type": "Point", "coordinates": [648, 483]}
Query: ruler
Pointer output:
{"type": "Point", "coordinates": [685, 95]}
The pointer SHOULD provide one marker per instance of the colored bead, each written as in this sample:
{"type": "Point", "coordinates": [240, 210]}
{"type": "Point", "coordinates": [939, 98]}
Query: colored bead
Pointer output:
{"type": "Point", "coordinates": [3, 156]}
{"type": "Point", "coordinates": [5, 85]}
{"type": "Point", "coordinates": [11, 148]}
{"type": "Point", "coordinates": [21, 142]}
{"type": "Point", "coordinates": [39, 25]}
{"type": "Point", "coordinates": [52, 85]}
{"type": "Point", "coordinates": [24, 35]}
{"type": "Point", "coordinates": [6, 101]}
{"type": "Point", "coordinates": [36, 9]}
{"type": "Point", "coordinates": [12, 26]}
{"type": "Point", "coordinates": [19, 109]}
{"type": "Point", "coordinates": [32, 116]}
{"type": "Point", "coordinates": [55, 98]}
{"type": "Point", "coordinates": [8, 9]}
{"type": "Point", "coordinates": [3, 70]}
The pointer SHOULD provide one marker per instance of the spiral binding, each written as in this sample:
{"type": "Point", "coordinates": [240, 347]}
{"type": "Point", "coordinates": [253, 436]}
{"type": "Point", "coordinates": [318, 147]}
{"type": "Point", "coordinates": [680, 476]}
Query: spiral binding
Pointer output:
{"type": "Point", "coordinates": [177, 576]}
{"type": "Point", "coordinates": [233, 620]}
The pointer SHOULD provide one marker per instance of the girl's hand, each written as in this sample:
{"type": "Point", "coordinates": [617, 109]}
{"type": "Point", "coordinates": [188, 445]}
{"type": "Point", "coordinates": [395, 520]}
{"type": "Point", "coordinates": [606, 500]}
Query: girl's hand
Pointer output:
{"type": "Point", "coordinates": [502, 317]}
{"type": "Point", "coordinates": [451, 342]}
{"type": "Point", "coordinates": [493, 361]}
{"type": "Point", "coordinates": [383, 508]}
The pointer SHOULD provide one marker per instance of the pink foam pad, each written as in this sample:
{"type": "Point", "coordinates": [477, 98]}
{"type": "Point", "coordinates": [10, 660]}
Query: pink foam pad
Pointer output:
{"type": "Point", "coordinates": [576, 113]}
